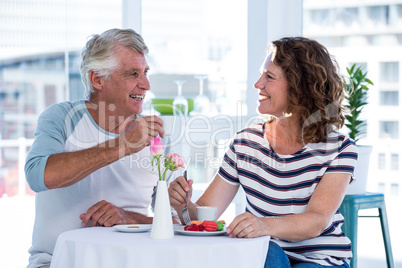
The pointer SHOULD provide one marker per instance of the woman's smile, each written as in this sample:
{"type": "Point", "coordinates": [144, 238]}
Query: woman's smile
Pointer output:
{"type": "Point", "coordinates": [263, 97]}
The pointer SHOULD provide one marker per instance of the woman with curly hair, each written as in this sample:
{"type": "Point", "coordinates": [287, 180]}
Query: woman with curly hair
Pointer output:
{"type": "Point", "coordinates": [295, 167]}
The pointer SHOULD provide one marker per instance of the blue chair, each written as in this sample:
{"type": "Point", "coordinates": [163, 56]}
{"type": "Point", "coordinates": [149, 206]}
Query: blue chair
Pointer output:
{"type": "Point", "coordinates": [350, 208]}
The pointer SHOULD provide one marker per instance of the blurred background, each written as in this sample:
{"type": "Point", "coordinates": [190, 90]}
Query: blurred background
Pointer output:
{"type": "Point", "coordinates": [222, 41]}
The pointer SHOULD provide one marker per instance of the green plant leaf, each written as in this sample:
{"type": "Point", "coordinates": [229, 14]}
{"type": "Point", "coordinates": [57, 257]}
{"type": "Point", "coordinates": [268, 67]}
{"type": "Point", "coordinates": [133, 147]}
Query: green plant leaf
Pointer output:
{"type": "Point", "coordinates": [356, 87]}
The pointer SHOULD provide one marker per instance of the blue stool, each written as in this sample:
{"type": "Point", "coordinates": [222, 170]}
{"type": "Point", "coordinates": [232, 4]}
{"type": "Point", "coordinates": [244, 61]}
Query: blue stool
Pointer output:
{"type": "Point", "coordinates": [350, 208]}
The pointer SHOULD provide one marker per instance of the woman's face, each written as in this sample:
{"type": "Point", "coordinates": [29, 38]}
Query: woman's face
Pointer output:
{"type": "Point", "coordinates": [272, 89]}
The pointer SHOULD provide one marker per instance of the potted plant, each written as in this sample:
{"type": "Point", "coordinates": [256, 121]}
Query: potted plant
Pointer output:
{"type": "Point", "coordinates": [356, 87]}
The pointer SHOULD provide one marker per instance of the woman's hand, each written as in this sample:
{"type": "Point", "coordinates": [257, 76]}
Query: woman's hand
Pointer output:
{"type": "Point", "coordinates": [177, 193]}
{"type": "Point", "coordinates": [246, 225]}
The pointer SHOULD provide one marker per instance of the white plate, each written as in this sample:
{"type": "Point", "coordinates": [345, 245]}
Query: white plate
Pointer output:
{"type": "Point", "coordinates": [133, 228]}
{"type": "Point", "coordinates": [180, 230]}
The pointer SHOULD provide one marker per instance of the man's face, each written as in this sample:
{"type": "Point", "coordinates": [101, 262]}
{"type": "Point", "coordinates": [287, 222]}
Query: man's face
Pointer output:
{"type": "Point", "coordinates": [124, 91]}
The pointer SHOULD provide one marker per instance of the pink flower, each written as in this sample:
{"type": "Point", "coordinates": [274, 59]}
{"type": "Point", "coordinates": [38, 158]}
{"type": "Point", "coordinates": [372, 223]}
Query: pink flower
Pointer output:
{"type": "Point", "coordinates": [174, 161]}
{"type": "Point", "coordinates": [157, 147]}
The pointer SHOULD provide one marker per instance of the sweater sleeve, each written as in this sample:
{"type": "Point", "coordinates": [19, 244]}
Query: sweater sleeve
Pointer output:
{"type": "Point", "coordinates": [50, 137]}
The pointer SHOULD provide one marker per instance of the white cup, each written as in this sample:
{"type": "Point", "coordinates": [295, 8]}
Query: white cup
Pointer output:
{"type": "Point", "coordinates": [206, 213]}
{"type": "Point", "coordinates": [168, 124]}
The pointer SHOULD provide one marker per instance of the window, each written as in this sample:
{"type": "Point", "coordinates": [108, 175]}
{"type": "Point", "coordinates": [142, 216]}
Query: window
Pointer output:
{"type": "Point", "coordinates": [394, 161]}
{"type": "Point", "coordinates": [191, 38]}
{"type": "Point", "coordinates": [363, 129]}
{"type": "Point", "coordinates": [389, 72]}
{"type": "Point", "coordinates": [381, 161]}
{"type": "Point", "coordinates": [394, 188]}
{"type": "Point", "coordinates": [362, 65]}
{"type": "Point", "coordinates": [395, 15]}
{"type": "Point", "coordinates": [188, 39]}
{"type": "Point", "coordinates": [320, 18]}
{"type": "Point", "coordinates": [30, 85]}
{"type": "Point", "coordinates": [381, 187]}
{"type": "Point", "coordinates": [348, 17]}
{"type": "Point", "coordinates": [37, 40]}
{"type": "Point", "coordinates": [389, 98]}
{"type": "Point", "coordinates": [378, 15]}
{"type": "Point", "coordinates": [32, 27]}
{"type": "Point", "coordinates": [389, 129]}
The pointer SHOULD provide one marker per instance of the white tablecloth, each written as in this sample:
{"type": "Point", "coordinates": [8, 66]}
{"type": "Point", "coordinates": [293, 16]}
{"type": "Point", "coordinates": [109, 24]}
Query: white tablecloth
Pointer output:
{"type": "Point", "coordinates": [99, 247]}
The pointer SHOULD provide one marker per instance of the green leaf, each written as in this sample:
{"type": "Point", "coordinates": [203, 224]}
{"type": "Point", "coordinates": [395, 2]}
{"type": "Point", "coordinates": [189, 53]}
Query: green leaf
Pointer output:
{"type": "Point", "coordinates": [356, 87]}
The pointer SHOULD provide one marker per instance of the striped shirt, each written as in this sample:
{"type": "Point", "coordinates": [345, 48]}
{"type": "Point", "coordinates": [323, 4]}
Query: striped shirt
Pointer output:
{"type": "Point", "coordinates": [278, 185]}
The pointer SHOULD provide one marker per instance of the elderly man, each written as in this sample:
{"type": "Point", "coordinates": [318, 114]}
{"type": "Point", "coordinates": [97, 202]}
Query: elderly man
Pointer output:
{"type": "Point", "coordinates": [89, 163]}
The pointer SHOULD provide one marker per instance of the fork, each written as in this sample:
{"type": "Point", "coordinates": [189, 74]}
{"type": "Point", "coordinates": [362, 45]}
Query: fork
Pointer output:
{"type": "Point", "coordinates": [184, 211]}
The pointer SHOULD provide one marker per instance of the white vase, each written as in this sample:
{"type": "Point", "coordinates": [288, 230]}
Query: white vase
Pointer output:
{"type": "Point", "coordinates": [162, 226]}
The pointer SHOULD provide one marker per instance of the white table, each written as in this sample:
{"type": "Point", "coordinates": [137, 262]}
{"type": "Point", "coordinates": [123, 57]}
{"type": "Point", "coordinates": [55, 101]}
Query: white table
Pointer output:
{"type": "Point", "coordinates": [99, 247]}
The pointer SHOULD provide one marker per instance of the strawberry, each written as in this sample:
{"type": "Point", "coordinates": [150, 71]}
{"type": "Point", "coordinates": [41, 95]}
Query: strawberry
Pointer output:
{"type": "Point", "coordinates": [194, 228]}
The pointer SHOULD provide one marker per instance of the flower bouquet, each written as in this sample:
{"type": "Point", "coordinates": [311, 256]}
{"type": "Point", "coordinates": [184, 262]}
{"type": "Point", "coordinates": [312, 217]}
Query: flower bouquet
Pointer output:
{"type": "Point", "coordinates": [172, 161]}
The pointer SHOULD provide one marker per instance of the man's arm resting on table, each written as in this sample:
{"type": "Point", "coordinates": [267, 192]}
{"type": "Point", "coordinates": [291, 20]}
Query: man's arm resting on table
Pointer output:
{"type": "Point", "coordinates": [106, 214]}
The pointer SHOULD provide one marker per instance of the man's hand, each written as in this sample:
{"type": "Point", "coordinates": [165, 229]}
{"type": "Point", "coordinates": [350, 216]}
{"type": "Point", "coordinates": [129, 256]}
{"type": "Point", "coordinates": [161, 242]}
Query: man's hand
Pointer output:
{"type": "Point", "coordinates": [105, 214]}
{"type": "Point", "coordinates": [138, 132]}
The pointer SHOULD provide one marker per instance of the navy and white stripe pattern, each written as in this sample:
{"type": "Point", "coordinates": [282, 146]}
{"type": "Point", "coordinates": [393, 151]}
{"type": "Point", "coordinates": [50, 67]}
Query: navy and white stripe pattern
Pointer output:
{"type": "Point", "coordinates": [278, 185]}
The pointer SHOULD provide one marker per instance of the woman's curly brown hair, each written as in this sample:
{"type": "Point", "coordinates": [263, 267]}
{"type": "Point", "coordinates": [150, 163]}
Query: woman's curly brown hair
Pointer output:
{"type": "Point", "coordinates": [314, 85]}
